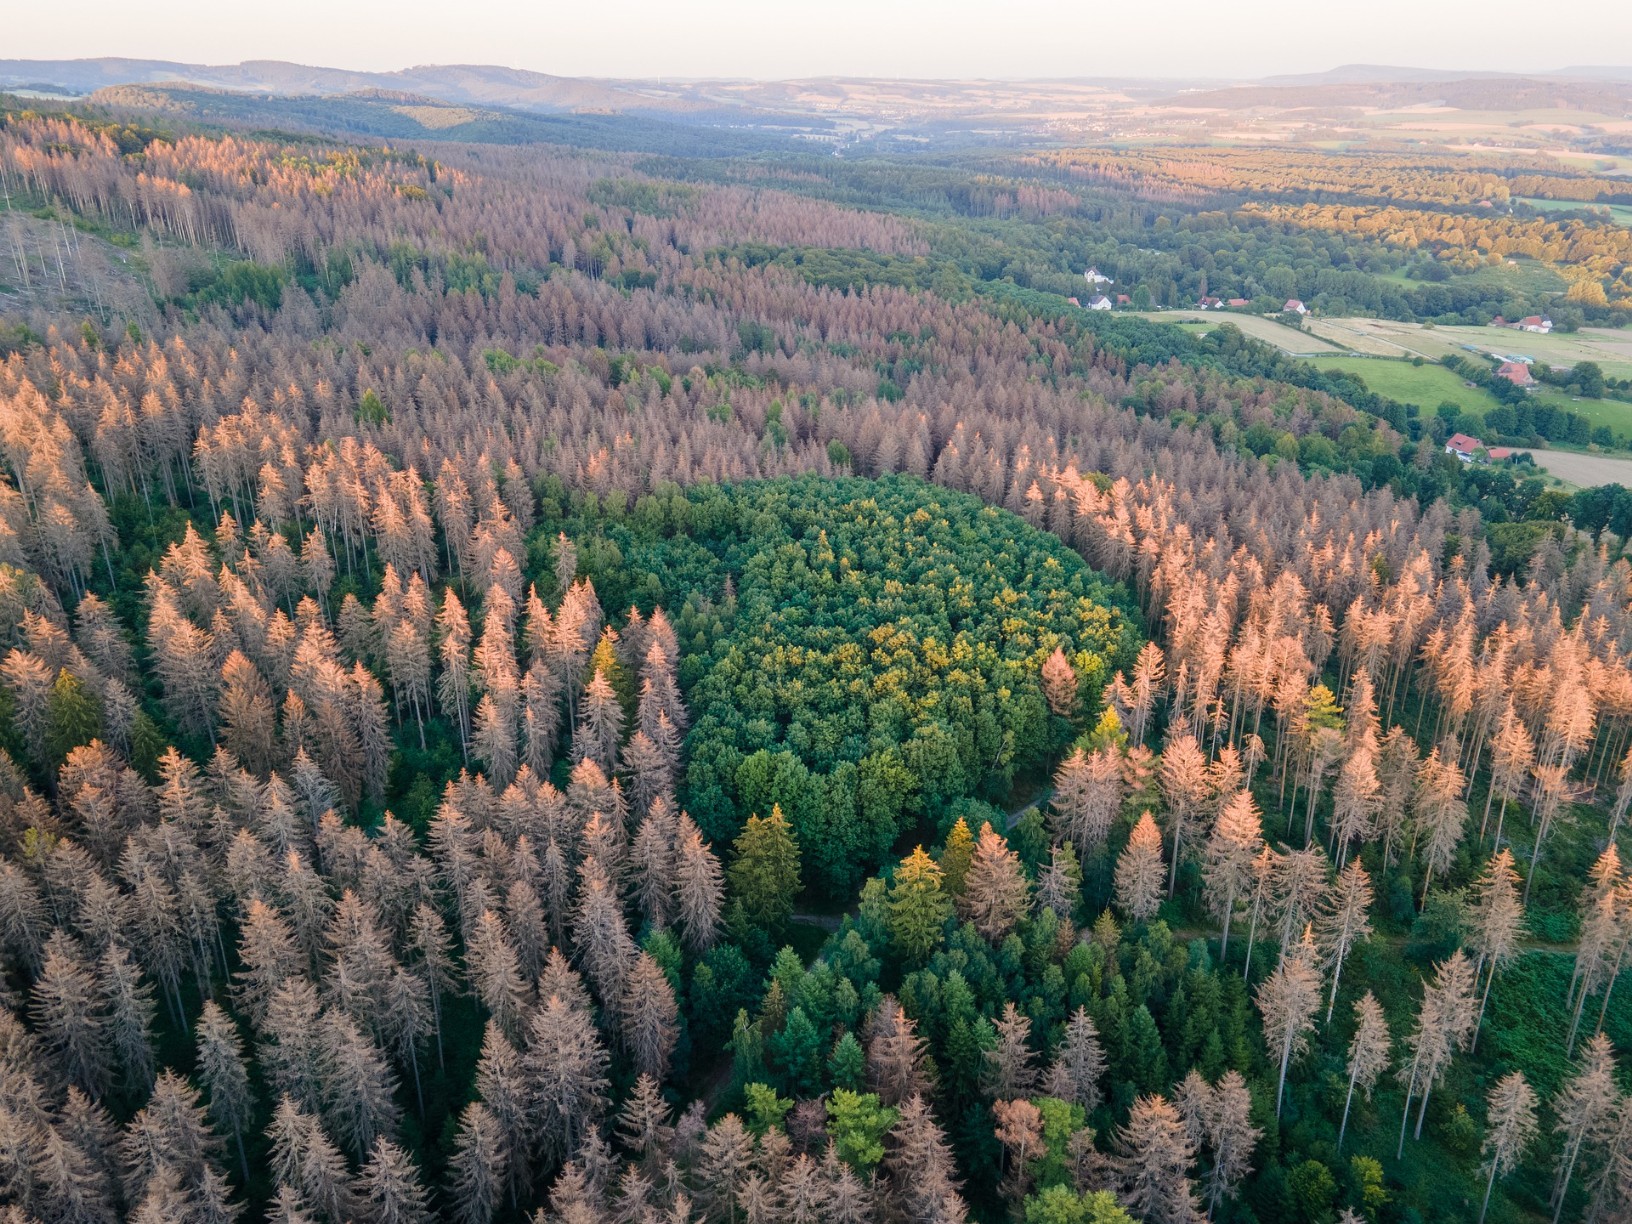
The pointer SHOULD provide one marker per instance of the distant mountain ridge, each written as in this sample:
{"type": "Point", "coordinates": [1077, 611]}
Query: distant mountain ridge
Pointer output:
{"type": "Point", "coordinates": [481, 85]}
{"type": "Point", "coordinates": [495, 85]}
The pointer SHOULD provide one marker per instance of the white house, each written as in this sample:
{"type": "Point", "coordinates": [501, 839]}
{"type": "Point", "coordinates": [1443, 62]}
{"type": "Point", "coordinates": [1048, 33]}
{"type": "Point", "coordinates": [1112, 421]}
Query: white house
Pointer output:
{"type": "Point", "coordinates": [1095, 277]}
{"type": "Point", "coordinates": [1535, 323]}
{"type": "Point", "coordinates": [1099, 303]}
{"type": "Point", "coordinates": [1293, 306]}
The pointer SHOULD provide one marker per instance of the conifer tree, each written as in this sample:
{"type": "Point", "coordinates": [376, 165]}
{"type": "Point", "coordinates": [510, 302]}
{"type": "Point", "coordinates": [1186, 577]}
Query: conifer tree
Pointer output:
{"type": "Point", "coordinates": [600, 724]}
{"type": "Point", "coordinates": [495, 971]}
{"type": "Point", "coordinates": [1153, 1160]}
{"type": "Point", "coordinates": [1368, 1054]}
{"type": "Point", "coordinates": [291, 1049]}
{"type": "Point", "coordinates": [1059, 885]}
{"type": "Point", "coordinates": [1445, 1020]}
{"type": "Point", "coordinates": [1185, 791]}
{"type": "Point", "coordinates": [1231, 851]}
{"type": "Point", "coordinates": [1512, 754]}
{"type": "Point", "coordinates": [388, 1189]}
{"type": "Point", "coordinates": [956, 857]}
{"type": "Point", "coordinates": [699, 887]}
{"type": "Point", "coordinates": [1079, 1063]}
{"type": "Point", "coordinates": [1599, 952]}
{"type": "Point", "coordinates": [1345, 922]}
{"type": "Point", "coordinates": [1087, 795]}
{"type": "Point", "coordinates": [128, 1015]}
{"type": "Point", "coordinates": [493, 738]}
{"type": "Point", "coordinates": [267, 955]}
{"type": "Point", "coordinates": [1231, 1136]}
{"type": "Point", "coordinates": [453, 685]}
{"type": "Point", "coordinates": [650, 1015]}
{"type": "Point", "coordinates": [1059, 681]}
{"type": "Point", "coordinates": [565, 1067]}
{"type": "Point", "coordinates": [1011, 1069]}
{"type": "Point", "coordinates": [1149, 670]}
{"type": "Point", "coordinates": [304, 1159]}
{"type": "Point", "coordinates": [1356, 800]}
{"type": "Point", "coordinates": [358, 1087]}
{"type": "Point", "coordinates": [478, 1168]}
{"type": "Point", "coordinates": [1498, 923]}
{"type": "Point", "coordinates": [503, 1090]}
{"type": "Point", "coordinates": [764, 876]}
{"type": "Point", "coordinates": [898, 1063]}
{"type": "Point", "coordinates": [922, 1172]}
{"type": "Point", "coordinates": [601, 937]}
{"type": "Point", "coordinates": [1289, 999]}
{"type": "Point", "coordinates": [643, 1123]}
{"type": "Point", "coordinates": [1138, 880]}
{"type": "Point", "coordinates": [1586, 1109]}
{"type": "Point", "coordinates": [919, 907]}
{"type": "Point", "coordinates": [1441, 814]}
{"type": "Point", "coordinates": [995, 891]}
{"type": "Point", "coordinates": [1019, 1131]}
{"type": "Point", "coordinates": [1510, 1128]}
{"type": "Point", "coordinates": [432, 962]}
{"type": "Point", "coordinates": [223, 1076]}
{"type": "Point", "coordinates": [66, 1008]}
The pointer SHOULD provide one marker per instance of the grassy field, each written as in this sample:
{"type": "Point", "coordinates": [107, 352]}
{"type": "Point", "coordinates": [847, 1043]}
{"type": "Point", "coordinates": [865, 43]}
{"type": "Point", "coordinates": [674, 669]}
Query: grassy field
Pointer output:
{"type": "Point", "coordinates": [1287, 339]}
{"type": "Point", "coordinates": [1611, 349]}
{"type": "Point", "coordinates": [1618, 212]}
{"type": "Point", "coordinates": [1430, 385]}
{"type": "Point", "coordinates": [1614, 413]}
{"type": "Point", "coordinates": [1427, 386]}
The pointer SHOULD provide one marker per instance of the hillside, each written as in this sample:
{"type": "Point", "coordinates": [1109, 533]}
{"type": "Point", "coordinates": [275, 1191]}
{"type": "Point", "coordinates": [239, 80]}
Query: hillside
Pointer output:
{"type": "Point", "coordinates": [566, 683]}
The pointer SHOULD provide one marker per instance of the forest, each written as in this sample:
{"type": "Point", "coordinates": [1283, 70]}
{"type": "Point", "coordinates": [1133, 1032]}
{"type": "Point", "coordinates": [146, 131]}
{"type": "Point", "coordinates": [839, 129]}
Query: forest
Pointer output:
{"type": "Point", "coordinates": [544, 684]}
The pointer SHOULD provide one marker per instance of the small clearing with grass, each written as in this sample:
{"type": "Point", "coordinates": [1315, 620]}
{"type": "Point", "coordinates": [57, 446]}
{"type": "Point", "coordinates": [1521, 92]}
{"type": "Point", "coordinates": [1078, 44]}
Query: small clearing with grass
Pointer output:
{"type": "Point", "coordinates": [1621, 214]}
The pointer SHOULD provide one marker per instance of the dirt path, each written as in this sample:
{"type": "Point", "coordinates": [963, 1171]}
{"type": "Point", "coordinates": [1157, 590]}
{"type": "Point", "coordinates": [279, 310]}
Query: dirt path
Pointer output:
{"type": "Point", "coordinates": [1019, 813]}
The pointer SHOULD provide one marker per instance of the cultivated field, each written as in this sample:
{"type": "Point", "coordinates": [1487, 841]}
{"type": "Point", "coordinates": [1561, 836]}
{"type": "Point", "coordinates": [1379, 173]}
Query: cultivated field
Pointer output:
{"type": "Point", "coordinates": [1287, 339]}
{"type": "Point", "coordinates": [1585, 470]}
{"type": "Point", "coordinates": [1387, 338]}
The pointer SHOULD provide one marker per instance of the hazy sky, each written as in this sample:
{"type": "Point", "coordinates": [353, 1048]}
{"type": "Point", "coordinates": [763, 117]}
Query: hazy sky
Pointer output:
{"type": "Point", "coordinates": [780, 38]}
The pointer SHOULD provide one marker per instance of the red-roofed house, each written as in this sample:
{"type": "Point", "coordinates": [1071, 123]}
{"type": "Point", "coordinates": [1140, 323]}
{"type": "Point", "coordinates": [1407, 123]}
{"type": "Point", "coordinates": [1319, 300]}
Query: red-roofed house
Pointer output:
{"type": "Point", "coordinates": [1463, 447]}
{"type": "Point", "coordinates": [1293, 306]}
{"type": "Point", "coordinates": [1498, 453]}
{"type": "Point", "coordinates": [1535, 323]}
{"type": "Point", "coordinates": [1517, 373]}
{"type": "Point", "coordinates": [1239, 302]}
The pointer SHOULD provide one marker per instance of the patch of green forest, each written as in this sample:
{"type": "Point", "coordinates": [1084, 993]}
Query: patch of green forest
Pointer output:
{"type": "Point", "coordinates": [882, 656]}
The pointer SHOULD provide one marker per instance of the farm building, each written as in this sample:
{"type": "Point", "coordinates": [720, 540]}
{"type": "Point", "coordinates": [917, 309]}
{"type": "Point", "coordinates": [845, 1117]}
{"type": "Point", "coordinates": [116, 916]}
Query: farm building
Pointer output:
{"type": "Point", "coordinates": [1516, 372]}
{"type": "Point", "coordinates": [1467, 449]}
{"type": "Point", "coordinates": [1535, 323]}
{"type": "Point", "coordinates": [1099, 303]}
{"type": "Point", "coordinates": [1095, 277]}
{"type": "Point", "coordinates": [1293, 306]}
{"type": "Point", "coordinates": [1463, 446]}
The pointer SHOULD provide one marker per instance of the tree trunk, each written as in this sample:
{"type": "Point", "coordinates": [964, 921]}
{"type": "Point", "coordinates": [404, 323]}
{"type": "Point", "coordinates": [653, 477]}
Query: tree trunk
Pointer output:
{"type": "Point", "coordinates": [1344, 1126]}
